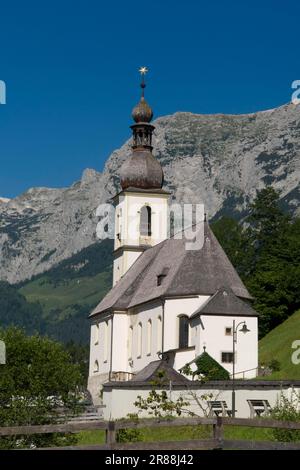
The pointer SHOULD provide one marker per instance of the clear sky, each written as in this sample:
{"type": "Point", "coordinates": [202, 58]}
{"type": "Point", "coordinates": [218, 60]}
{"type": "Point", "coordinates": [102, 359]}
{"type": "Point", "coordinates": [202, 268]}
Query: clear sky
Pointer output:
{"type": "Point", "coordinates": [70, 69]}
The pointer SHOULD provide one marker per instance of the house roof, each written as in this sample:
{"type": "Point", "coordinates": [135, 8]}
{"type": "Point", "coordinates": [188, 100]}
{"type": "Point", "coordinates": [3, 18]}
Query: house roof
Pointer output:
{"type": "Point", "coordinates": [200, 271]}
{"type": "Point", "coordinates": [150, 374]}
{"type": "Point", "coordinates": [225, 302]}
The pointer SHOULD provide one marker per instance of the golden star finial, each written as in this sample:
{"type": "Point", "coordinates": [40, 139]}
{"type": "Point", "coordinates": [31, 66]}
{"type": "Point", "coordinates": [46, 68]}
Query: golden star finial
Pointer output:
{"type": "Point", "coordinates": [143, 70]}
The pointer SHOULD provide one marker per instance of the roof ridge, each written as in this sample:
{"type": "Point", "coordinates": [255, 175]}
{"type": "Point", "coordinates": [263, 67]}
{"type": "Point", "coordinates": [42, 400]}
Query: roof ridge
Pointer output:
{"type": "Point", "coordinates": [140, 277]}
{"type": "Point", "coordinates": [202, 271]}
{"type": "Point", "coordinates": [123, 279]}
{"type": "Point", "coordinates": [198, 310]}
{"type": "Point", "coordinates": [233, 306]}
{"type": "Point", "coordinates": [204, 222]}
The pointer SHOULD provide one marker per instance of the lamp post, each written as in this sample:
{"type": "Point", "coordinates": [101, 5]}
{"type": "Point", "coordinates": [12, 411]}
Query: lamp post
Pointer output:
{"type": "Point", "coordinates": [235, 330]}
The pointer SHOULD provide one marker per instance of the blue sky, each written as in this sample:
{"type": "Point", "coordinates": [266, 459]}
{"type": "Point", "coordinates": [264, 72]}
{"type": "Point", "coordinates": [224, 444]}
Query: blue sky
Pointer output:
{"type": "Point", "coordinates": [70, 69]}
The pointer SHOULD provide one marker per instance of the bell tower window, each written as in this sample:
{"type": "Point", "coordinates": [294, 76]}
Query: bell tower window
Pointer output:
{"type": "Point", "coordinates": [145, 221]}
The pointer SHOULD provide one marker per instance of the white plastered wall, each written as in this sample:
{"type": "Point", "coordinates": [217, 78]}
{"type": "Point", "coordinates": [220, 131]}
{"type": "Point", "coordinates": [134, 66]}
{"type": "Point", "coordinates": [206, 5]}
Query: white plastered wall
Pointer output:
{"type": "Point", "coordinates": [159, 219]}
{"type": "Point", "coordinates": [119, 402]}
{"type": "Point", "coordinates": [210, 332]}
{"type": "Point", "coordinates": [127, 225]}
{"type": "Point", "coordinates": [99, 355]}
{"type": "Point", "coordinates": [173, 309]}
{"type": "Point", "coordinates": [141, 315]}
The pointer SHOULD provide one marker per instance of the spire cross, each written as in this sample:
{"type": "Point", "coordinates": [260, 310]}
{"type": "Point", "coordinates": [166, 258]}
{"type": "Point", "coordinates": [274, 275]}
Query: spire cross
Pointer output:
{"type": "Point", "coordinates": [143, 71]}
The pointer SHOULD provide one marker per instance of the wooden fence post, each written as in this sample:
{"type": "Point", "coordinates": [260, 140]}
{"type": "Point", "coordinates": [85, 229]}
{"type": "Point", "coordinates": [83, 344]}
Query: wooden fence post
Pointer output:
{"type": "Point", "coordinates": [111, 434]}
{"type": "Point", "coordinates": [218, 431]}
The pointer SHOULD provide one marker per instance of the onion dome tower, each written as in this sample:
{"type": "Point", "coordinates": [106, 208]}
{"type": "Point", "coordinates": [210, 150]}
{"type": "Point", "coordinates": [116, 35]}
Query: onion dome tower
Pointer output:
{"type": "Point", "coordinates": [142, 170]}
{"type": "Point", "coordinates": [141, 215]}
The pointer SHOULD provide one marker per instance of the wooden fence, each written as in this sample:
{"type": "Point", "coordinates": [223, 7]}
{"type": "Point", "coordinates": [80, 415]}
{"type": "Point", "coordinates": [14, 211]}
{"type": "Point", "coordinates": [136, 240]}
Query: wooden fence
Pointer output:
{"type": "Point", "coordinates": [216, 441]}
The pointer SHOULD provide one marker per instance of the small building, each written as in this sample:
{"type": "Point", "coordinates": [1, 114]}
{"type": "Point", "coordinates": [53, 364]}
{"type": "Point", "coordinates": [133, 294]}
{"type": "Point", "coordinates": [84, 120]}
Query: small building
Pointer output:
{"type": "Point", "coordinates": [165, 297]}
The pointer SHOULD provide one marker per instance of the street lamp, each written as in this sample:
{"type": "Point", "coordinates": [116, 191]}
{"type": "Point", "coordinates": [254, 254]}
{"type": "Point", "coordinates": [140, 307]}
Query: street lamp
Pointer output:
{"type": "Point", "coordinates": [235, 330]}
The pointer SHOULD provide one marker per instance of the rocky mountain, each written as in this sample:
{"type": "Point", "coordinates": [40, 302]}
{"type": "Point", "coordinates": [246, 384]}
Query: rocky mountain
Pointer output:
{"type": "Point", "coordinates": [221, 160]}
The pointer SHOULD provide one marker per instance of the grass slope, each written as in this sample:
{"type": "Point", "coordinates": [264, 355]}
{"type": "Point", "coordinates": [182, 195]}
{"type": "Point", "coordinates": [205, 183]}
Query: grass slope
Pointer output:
{"type": "Point", "coordinates": [278, 345]}
{"type": "Point", "coordinates": [69, 291]}
{"type": "Point", "coordinates": [62, 296]}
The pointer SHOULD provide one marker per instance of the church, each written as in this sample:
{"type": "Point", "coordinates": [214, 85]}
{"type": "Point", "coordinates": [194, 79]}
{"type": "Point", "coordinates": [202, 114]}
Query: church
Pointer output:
{"type": "Point", "coordinates": [166, 301]}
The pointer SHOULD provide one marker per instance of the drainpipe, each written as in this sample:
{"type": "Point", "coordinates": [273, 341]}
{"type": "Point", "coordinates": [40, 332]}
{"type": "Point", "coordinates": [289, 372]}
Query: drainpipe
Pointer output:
{"type": "Point", "coordinates": [111, 347]}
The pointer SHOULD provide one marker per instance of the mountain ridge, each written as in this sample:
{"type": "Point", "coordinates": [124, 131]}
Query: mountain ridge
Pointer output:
{"type": "Point", "coordinates": [220, 160]}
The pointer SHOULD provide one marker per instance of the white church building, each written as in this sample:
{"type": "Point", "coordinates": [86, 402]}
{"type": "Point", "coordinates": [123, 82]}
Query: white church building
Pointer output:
{"type": "Point", "coordinates": [166, 300]}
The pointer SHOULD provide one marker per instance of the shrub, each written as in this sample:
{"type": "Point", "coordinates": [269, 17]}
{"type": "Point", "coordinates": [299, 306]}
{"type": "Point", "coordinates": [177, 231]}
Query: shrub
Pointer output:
{"type": "Point", "coordinates": [287, 409]}
{"type": "Point", "coordinates": [274, 365]}
{"type": "Point", "coordinates": [207, 368]}
{"type": "Point", "coordinates": [130, 434]}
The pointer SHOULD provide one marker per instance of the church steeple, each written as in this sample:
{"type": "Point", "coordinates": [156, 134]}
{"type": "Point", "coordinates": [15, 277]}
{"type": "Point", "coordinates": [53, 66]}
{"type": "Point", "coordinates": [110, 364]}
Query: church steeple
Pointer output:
{"type": "Point", "coordinates": [141, 218]}
{"type": "Point", "coordinates": [142, 170]}
{"type": "Point", "coordinates": [142, 114]}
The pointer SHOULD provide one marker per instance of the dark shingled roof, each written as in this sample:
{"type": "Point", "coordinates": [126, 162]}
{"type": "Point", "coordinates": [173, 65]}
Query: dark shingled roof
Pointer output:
{"type": "Point", "coordinates": [150, 374]}
{"type": "Point", "coordinates": [200, 271]}
{"type": "Point", "coordinates": [224, 302]}
{"type": "Point", "coordinates": [141, 170]}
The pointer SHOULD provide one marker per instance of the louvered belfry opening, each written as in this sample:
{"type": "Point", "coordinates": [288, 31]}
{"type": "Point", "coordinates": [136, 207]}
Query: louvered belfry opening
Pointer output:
{"type": "Point", "coordinates": [145, 221]}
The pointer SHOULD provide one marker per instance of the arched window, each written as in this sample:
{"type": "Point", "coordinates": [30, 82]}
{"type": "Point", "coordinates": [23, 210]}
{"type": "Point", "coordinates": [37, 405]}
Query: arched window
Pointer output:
{"type": "Point", "coordinates": [139, 340]}
{"type": "Point", "coordinates": [130, 338]}
{"type": "Point", "coordinates": [106, 342]}
{"type": "Point", "coordinates": [96, 333]}
{"type": "Point", "coordinates": [149, 337]}
{"type": "Point", "coordinates": [145, 221]}
{"type": "Point", "coordinates": [96, 367]}
{"type": "Point", "coordinates": [183, 331]}
{"type": "Point", "coordinates": [159, 334]}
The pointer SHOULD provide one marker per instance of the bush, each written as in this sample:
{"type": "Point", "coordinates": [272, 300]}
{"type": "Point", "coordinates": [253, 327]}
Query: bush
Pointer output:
{"type": "Point", "coordinates": [130, 434]}
{"type": "Point", "coordinates": [207, 368]}
{"type": "Point", "coordinates": [274, 365]}
{"type": "Point", "coordinates": [287, 409]}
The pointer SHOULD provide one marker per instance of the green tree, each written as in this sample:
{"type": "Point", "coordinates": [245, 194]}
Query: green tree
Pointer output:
{"type": "Point", "coordinates": [16, 310]}
{"type": "Point", "coordinates": [265, 250]}
{"type": "Point", "coordinates": [267, 226]}
{"type": "Point", "coordinates": [274, 279]}
{"type": "Point", "coordinates": [37, 381]}
{"type": "Point", "coordinates": [235, 241]}
{"type": "Point", "coordinates": [79, 354]}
